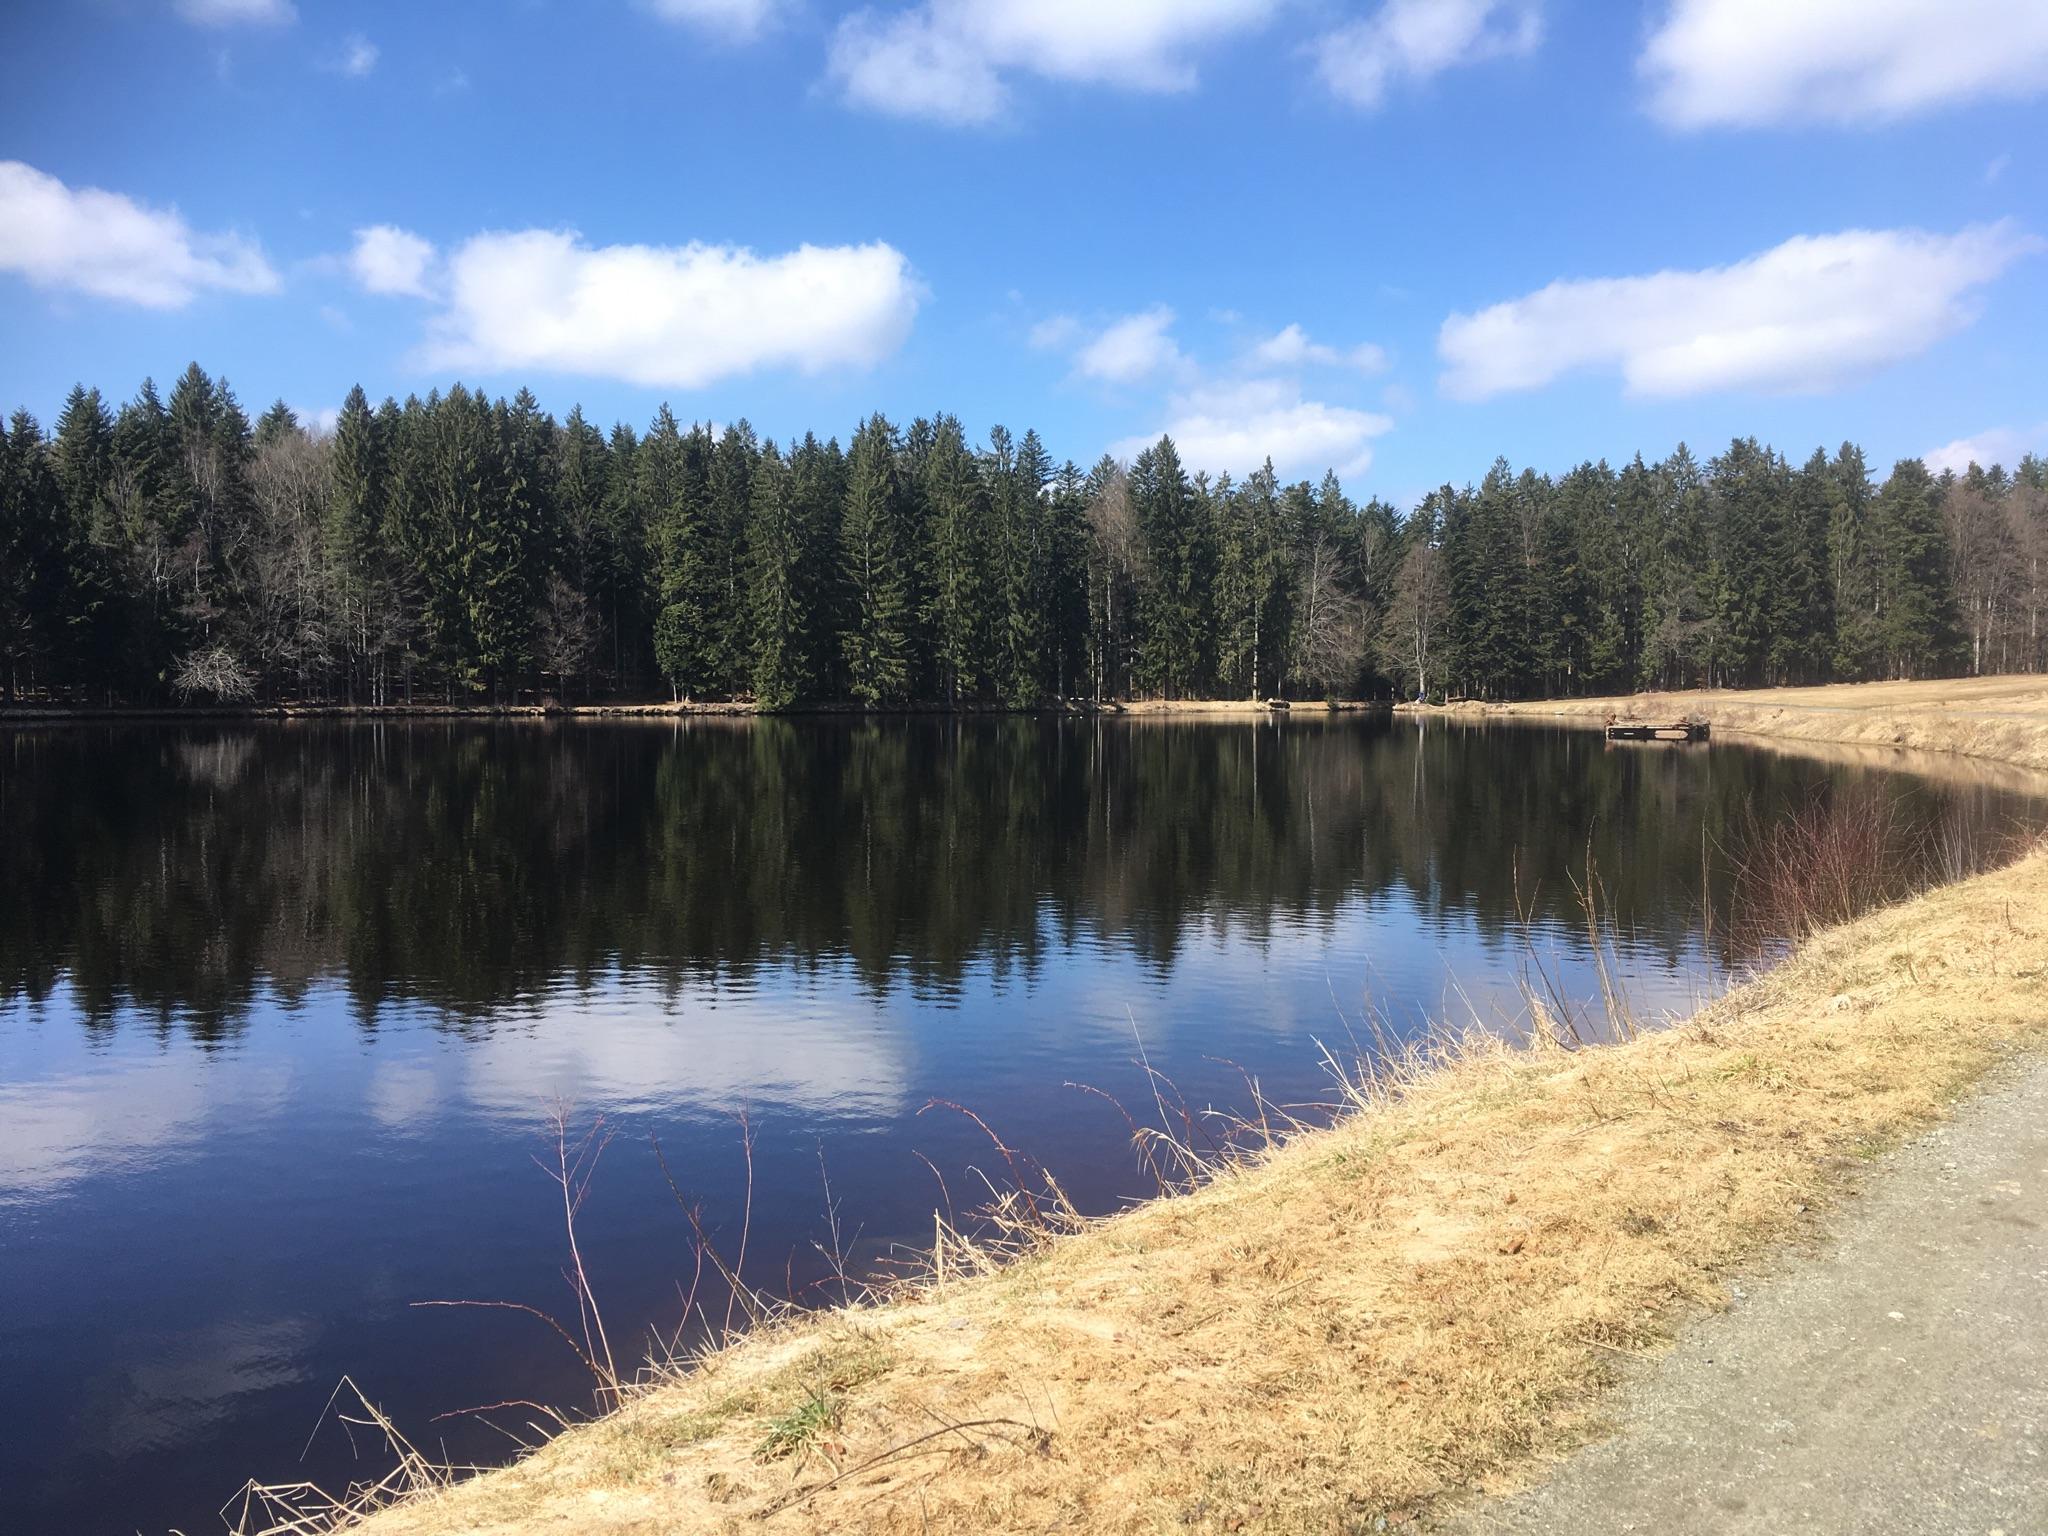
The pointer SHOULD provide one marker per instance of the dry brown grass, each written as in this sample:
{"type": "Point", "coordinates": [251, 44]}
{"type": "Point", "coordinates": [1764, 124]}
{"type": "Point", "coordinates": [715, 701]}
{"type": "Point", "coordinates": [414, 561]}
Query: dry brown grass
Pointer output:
{"type": "Point", "coordinates": [1366, 1321]}
{"type": "Point", "coordinates": [2001, 719]}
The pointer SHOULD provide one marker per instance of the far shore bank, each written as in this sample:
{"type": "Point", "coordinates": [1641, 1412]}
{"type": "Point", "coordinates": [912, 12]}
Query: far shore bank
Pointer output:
{"type": "Point", "coordinates": [1372, 1322]}
{"type": "Point", "coordinates": [1998, 719]}
{"type": "Point", "coordinates": [44, 714]}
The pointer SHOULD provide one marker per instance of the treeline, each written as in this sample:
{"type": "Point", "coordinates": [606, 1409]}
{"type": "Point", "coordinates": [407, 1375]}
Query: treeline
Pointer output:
{"type": "Point", "coordinates": [462, 547]}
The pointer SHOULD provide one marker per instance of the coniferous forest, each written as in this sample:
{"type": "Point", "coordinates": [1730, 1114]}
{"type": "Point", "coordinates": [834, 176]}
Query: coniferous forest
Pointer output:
{"type": "Point", "coordinates": [459, 547]}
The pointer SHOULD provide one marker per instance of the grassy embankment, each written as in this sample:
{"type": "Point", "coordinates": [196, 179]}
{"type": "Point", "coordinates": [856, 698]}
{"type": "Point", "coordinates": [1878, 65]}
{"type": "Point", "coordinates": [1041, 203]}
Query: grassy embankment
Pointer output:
{"type": "Point", "coordinates": [1365, 1322]}
{"type": "Point", "coordinates": [1999, 719]}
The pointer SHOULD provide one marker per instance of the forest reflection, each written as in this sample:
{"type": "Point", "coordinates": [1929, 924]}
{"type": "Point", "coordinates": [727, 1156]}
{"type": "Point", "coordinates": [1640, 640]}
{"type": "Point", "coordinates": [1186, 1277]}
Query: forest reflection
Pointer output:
{"type": "Point", "coordinates": [176, 870]}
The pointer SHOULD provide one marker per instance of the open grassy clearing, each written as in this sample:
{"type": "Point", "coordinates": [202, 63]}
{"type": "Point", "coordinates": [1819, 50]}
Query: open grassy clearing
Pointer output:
{"type": "Point", "coordinates": [2003, 719]}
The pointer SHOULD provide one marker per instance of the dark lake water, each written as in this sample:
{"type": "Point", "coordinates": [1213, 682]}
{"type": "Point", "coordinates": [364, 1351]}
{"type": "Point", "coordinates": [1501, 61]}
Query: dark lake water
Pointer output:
{"type": "Point", "coordinates": [284, 1012]}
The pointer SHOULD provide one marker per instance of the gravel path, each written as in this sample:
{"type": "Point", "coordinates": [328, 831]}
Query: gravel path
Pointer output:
{"type": "Point", "coordinates": [1898, 1383]}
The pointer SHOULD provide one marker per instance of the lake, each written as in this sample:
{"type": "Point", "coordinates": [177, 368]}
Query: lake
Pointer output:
{"type": "Point", "coordinates": [285, 1010]}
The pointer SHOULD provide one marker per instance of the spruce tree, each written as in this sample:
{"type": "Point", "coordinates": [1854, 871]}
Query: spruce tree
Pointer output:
{"type": "Point", "coordinates": [32, 575]}
{"type": "Point", "coordinates": [1174, 590]}
{"type": "Point", "coordinates": [1800, 596]}
{"type": "Point", "coordinates": [817, 489]}
{"type": "Point", "coordinates": [675, 486]}
{"type": "Point", "coordinates": [956, 502]}
{"type": "Point", "coordinates": [354, 533]}
{"type": "Point", "coordinates": [1017, 478]}
{"type": "Point", "coordinates": [1678, 623]}
{"type": "Point", "coordinates": [776, 568]}
{"type": "Point", "coordinates": [1916, 616]}
{"type": "Point", "coordinates": [90, 615]}
{"type": "Point", "coordinates": [874, 562]}
{"type": "Point", "coordinates": [719, 581]}
{"type": "Point", "coordinates": [1746, 500]}
{"type": "Point", "coordinates": [1235, 595]}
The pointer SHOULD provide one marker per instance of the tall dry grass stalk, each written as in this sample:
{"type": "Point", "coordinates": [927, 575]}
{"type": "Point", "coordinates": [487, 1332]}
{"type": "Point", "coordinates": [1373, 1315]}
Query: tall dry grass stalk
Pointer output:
{"type": "Point", "coordinates": [1842, 853]}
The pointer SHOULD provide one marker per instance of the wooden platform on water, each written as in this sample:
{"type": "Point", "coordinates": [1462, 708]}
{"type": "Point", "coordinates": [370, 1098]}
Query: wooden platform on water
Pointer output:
{"type": "Point", "coordinates": [1644, 730]}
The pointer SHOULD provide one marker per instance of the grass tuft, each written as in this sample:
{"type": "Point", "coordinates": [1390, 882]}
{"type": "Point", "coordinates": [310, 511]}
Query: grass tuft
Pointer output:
{"type": "Point", "coordinates": [800, 1428]}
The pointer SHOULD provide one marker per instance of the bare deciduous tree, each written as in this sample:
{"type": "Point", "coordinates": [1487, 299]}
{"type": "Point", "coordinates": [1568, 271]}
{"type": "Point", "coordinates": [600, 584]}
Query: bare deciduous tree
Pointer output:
{"type": "Point", "coordinates": [1408, 638]}
{"type": "Point", "coordinates": [566, 630]}
{"type": "Point", "coordinates": [216, 671]}
{"type": "Point", "coordinates": [1331, 635]}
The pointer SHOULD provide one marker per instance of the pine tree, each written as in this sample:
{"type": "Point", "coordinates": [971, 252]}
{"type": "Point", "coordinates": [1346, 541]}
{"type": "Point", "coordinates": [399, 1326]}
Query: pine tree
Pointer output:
{"type": "Point", "coordinates": [777, 566]}
{"type": "Point", "coordinates": [1801, 599]}
{"type": "Point", "coordinates": [1017, 478]}
{"type": "Point", "coordinates": [1374, 567]}
{"type": "Point", "coordinates": [718, 584]}
{"type": "Point", "coordinates": [1235, 595]}
{"type": "Point", "coordinates": [208, 485]}
{"type": "Point", "coordinates": [32, 576]}
{"type": "Point", "coordinates": [1916, 617]}
{"type": "Point", "coordinates": [1174, 537]}
{"type": "Point", "coordinates": [1489, 653]}
{"type": "Point", "coordinates": [956, 504]}
{"type": "Point", "coordinates": [89, 616]}
{"type": "Point", "coordinates": [1624, 574]}
{"type": "Point", "coordinates": [1748, 490]}
{"type": "Point", "coordinates": [621, 558]}
{"type": "Point", "coordinates": [817, 491]}
{"type": "Point", "coordinates": [675, 493]}
{"type": "Point", "coordinates": [1576, 544]}
{"type": "Point", "coordinates": [354, 538]}
{"type": "Point", "coordinates": [586, 555]}
{"type": "Point", "coordinates": [874, 563]}
{"type": "Point", "coordinates": [1678, 624]}
{"type": "Point", "coordinates": [1067, 571]}
{"type": "Point", "coordinates": [276, 425]}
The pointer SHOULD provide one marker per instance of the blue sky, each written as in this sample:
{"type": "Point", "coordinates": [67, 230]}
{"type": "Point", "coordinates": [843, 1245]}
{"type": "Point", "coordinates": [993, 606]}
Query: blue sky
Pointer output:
{"type": "Point", "coordinates": [1394, 238]}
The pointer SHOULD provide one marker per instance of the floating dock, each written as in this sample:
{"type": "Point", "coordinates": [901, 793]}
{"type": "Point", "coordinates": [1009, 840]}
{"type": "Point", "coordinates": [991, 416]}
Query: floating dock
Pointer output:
{"type": "Point", "coordinates": [1644, 730]}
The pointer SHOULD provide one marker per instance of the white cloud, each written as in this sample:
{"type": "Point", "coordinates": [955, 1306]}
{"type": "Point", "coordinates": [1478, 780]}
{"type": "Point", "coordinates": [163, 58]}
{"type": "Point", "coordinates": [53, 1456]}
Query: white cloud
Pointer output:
{"type": "Point", "coordinates": [358, 56]}
{"type": "Point", "coordinates": [1415, 40]}
{"type": "Point", "coordinates": [1130, 349]}
{"type": "Point", "coordinates": [387, 259]}
{"type": "Point", "coordinates": [1744, 63]}
{"type": "Point", "coordinates": [736, 21]}
{"type": "Point", "coordinates": [677, 316]}
{"type": "Point", "coordinates": [1803, 316]}
{"type": "Point", "coordinates": [948, 59]}
{"type": "Point", "coordinates": [1237, 427]}
{"type": "Point", "coordinates": [1054, 332]}
{"type": "Point", "coordinates": [1293, 348]}
{"type": "Point", "coordinates": [1998, 445]}
{"type": "Point", "coordinates": [320, 420]}
{"type": "Point", "coordinates": [113, 247]}
{"type": "Point", "coordinates": [234, 13]}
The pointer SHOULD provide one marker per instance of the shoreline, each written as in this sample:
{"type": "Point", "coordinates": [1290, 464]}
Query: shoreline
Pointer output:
{"type": "Point", "coordinates": [1371, 1321]}
{"type": "Point", "coordinates": [47, 714]}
